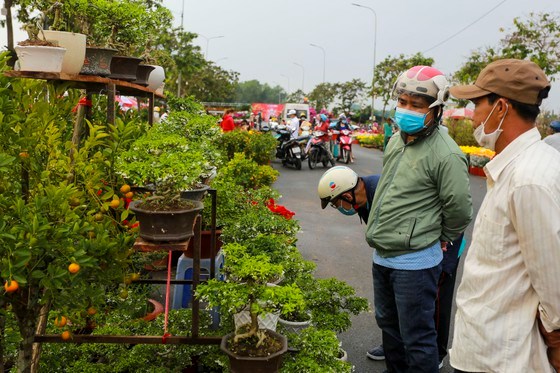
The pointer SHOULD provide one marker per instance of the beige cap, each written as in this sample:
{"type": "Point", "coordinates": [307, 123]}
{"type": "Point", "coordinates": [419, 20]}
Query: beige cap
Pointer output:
{"type": "Point", "coordinates": [519, 80]}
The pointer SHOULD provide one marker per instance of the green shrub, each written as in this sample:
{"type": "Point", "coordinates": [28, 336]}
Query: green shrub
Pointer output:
{"type": "Point", "coordinates": [257, 146]}
{"type": "Point", "coordinates": [247, 173]}
{"type": "Point", "coordinates": [462, 132]}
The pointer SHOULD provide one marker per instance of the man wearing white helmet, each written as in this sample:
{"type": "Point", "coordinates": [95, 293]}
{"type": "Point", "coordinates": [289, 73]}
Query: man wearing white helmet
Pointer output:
{"type": "Point", "coordinates": [293, 124]}
{"type": "Point", "coordinates": [422, 203]}
{"type": "Point", "coordinates": [344, 190]}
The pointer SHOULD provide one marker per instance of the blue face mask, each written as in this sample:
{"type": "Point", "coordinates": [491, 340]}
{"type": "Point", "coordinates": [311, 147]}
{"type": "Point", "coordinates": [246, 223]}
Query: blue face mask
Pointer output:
{"type": "Point", "coordinates": [347, 212]}
{"type": "Point", "coordinates": [409, 121]}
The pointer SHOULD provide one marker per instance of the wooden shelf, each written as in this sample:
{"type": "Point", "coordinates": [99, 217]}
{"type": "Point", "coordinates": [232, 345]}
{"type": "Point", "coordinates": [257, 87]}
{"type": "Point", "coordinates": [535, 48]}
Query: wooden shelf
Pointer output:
{"type": "Point", "coordinates": [91, 83]}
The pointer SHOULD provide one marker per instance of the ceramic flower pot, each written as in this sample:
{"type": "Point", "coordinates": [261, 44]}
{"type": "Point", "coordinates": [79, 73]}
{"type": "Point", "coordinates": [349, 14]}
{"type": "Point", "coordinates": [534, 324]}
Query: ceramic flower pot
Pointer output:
{"type": "Point", "coordinates": [156, 77]}
{"type": "Point", "coordinates": [124, 68]}
{"type": "Point", "coordinates": [142, 74]}
{"type": "Point", "coordinates": [75, 45]}
{"type": "Point", "coordinates": [40, 58]}
{"type": "Point", "coordinates": [267, 364]}
{"type": "Point", "coordinates": [98, 61]}
{"type": "Point", "coordinates": [165, 226]}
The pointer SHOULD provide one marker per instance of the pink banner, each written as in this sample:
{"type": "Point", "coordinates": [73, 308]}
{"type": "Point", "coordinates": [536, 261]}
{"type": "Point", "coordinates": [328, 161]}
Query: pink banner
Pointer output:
{"type": "Point", "coordinates": [267, 110]}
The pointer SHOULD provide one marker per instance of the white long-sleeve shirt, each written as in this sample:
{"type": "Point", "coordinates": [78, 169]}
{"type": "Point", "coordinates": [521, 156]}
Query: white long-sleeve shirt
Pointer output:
{"type": "Point", "coordinates": [293, 126]}
{"type": "Point", "coordinates": [512, 268]}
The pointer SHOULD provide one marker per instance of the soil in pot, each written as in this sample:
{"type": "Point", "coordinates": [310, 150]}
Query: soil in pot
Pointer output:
{"type": "Point", "coordinates": [247, 346]}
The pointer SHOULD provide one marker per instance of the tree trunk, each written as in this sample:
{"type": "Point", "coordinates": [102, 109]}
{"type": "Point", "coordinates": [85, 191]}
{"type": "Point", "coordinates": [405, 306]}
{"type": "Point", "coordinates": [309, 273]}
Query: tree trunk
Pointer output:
{"type": "Point", "coordinates": [41, 327]}
{"type": "Point", "coordinates": [10, 32]}
{"type": "Point", "coordinates": [26, 309]}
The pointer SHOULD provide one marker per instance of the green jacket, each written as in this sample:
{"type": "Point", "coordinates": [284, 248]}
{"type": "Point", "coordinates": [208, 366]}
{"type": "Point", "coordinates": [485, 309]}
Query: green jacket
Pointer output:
{"type": "Point", "coordinates": [423, 195]}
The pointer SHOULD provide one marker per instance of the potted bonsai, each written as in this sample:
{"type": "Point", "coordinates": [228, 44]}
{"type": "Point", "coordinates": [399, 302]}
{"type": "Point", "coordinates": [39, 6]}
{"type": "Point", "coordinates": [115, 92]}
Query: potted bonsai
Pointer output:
{"type": "Point", "coordinates": [171, 164]}
{"type": "Point", "coordinates": [58, 21]}
{"type": "Point", "coordinates": [250, 348]}
{"type": "Point", "coordinates": [316, 350]}
{"type": "Point", "coordinates": [37, 53]}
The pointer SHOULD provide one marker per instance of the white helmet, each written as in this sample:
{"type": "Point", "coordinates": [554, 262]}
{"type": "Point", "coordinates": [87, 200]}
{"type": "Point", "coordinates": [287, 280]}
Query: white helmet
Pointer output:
{"type": "Point", "coordinates": [425, 81]}
{"type": "Point", "coordinates": [334, 182]}
{"type": "Point", "coordinates": [291, 112]}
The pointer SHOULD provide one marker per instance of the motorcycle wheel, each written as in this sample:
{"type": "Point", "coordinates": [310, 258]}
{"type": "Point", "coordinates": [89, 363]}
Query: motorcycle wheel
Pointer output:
{"type": "Point", "coordinates": [312, 160]}
{"type": "Point", "coordinates": [346, 156]}
{"type": "Point", "coordinates": [297, 163]}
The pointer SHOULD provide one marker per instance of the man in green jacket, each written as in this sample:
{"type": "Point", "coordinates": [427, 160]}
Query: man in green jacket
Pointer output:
{"type": "Point", "coordinates": [422, 203]}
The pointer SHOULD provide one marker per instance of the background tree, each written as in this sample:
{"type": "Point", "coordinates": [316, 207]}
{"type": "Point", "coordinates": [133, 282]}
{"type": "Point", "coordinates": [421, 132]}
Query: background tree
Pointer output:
{"type": "Point", "coordinates": [253, 91]}
{"type": "Point", "coordinates": [387, 71]}
{"type": "Point", "coordinates": [323, 95]}
{"type": "Point", "coordinates": [536, 38]}
{"type": "Point", "coordinates": [349, 93]}
{"type": "Point", "coordinates": [296, 96]}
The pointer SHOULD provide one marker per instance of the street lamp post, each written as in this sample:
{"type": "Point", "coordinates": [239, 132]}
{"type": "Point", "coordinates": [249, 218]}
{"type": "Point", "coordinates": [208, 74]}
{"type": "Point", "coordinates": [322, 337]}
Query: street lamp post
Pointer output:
{"type": "Point", "coordinates": [324, 57]}
{"type": "Point", "coordinates": [302, 76]}
{"type": "Point", "coordinates": [374, 51]}
{"type": "Point", "coordinates": [208, 42]}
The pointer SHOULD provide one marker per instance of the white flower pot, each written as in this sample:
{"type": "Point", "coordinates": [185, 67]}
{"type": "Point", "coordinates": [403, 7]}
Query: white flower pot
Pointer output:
{"type": "Point", "coordinates": [75, 45]}
{"type": "Point", "coordinates": [294, 326]}
{"type": "Point", "coordinates": [40, 58]}
{"type": "Point", "coordinates": [266, 321]}
{"type": "Point", "coordinates": [156, 77]}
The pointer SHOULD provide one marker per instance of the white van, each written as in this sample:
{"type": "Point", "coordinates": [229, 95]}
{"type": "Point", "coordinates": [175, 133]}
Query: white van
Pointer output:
{"type": "Point", "coordinates": [299, 108]}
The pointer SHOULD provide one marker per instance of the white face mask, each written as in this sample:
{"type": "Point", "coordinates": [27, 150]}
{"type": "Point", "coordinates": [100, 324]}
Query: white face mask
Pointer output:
{"type": "Point", "coordinates": [488, 140]}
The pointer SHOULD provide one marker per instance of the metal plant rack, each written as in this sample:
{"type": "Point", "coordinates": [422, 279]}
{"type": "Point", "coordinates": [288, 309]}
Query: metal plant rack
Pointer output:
{"type": "Point", "coordinates": [111, 87]}
{"type": "Point", "coordinates": [194, 337]}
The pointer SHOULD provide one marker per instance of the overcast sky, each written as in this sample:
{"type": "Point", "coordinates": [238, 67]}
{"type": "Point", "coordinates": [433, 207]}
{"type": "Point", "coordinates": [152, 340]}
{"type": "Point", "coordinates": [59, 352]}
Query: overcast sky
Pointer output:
{"type": "Point", "coordinates": [262, 39]}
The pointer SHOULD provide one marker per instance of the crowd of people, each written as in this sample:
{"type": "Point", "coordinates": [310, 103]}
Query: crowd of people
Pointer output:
{"type": "Point", "coordinates": [416, 211]}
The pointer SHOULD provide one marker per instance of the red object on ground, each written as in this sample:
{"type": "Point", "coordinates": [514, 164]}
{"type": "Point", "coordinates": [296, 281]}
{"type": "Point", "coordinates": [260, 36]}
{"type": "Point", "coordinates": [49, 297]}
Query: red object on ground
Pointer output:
{"type": "Point", "coordinates": [477, 171]}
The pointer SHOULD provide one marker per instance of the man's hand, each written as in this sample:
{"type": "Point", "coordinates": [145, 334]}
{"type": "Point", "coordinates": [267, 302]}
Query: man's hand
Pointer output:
{"type": "Point", "coordinates": [552, 340]}
{"type": "Point", "coordinates": [554, 357]}
{"type": "Point", "coordinates": [443, 246]}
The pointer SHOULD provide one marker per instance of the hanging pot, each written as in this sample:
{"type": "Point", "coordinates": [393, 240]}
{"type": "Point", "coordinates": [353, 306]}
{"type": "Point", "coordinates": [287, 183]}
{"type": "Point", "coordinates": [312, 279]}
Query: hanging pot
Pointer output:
{"type": "Point", "coordinates": [40, 58]}
{"type": "Point", "coordinates": [124, 68]}
{"type": "Point", "coordinates": [164, 226]}
{"type": "Point", "coordinates": [75, 45]}
{"type": "Point", "coordinates": [98, 61]}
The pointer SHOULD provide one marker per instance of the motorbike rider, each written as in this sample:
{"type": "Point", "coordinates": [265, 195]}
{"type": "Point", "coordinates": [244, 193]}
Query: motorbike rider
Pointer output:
{"type": "Point", "coordinates": [323, 126]}
{"type": "Point", "coordinates": [293, 124]}
{"type": "Point", "coordinates": [343, 124]}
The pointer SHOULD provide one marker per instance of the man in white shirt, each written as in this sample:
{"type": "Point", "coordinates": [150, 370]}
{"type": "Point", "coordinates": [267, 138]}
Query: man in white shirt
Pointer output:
{"type": "Point", "coordinates": [511, 278]}
{"type": "Point", "coordinates": [293, 124]}
{"type": "Point", "coordinates": [554, 139]}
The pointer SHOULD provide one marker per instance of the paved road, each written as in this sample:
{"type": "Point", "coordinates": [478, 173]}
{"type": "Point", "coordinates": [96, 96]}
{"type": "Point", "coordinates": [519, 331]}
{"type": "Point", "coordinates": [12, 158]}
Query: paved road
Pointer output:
{"type": "Point", "coordinates": [336, 244]}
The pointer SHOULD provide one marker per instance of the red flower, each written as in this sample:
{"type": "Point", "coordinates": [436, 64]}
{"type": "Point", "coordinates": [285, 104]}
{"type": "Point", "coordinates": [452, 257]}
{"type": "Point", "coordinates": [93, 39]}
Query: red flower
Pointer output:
{"type": "Point", "coordinates": [279, 209]}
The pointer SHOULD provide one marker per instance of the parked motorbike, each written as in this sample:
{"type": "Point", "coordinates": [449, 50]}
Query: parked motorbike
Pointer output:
{"type": "Point", "coordinates": [318, 152]}
{"type": "Point", "coordinates": [287, 149]}
{"type": "Point", "coordinates": [345, 143]}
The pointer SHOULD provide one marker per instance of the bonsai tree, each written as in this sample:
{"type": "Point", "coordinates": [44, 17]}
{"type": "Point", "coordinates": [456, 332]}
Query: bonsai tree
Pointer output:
{"type": "Point", "coordinates": [249, 291]}
{"type": "Point", "coordinates": [165, 161]}
{"type": "Point", "coordinates": [331, 302]}
{"type": "Point", "coordinates": [317, 352]}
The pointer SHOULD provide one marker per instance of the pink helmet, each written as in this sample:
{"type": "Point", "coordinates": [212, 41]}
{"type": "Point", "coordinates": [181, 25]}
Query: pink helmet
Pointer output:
{"type": "Point", "coordinates": [423, 80]}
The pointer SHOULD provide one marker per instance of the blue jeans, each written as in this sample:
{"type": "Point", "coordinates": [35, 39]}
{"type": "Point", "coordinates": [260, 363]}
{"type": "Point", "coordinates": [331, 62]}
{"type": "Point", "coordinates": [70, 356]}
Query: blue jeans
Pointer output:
{"type": "Point", "coordinates": [404, 310]}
